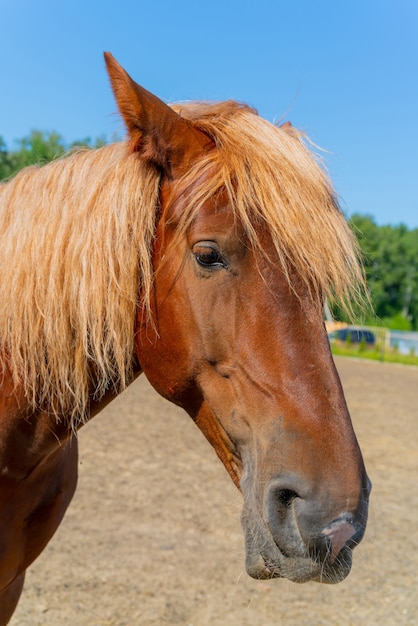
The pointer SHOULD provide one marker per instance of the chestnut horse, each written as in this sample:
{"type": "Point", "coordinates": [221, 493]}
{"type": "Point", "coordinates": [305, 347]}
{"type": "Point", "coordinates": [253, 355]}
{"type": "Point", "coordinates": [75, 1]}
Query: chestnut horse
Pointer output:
{"type": "Point", "coordinates": [199, 251]}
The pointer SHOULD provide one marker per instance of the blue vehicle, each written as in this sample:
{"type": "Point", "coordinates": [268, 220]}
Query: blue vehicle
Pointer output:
{"type": "Point", "coordinates": [356, 335]}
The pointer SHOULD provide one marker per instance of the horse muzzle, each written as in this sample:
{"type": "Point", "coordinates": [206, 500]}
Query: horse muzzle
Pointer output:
{"type": "Point", "coordinates": [302, 537]}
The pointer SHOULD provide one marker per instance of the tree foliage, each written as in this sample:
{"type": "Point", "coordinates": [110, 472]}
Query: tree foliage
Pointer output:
{"type": "Point", "coordinates": [390, 252]}
{"type": "Point", "coordinates": [37, 147]}
{"type": "Point", "coordinates": [391, 263]}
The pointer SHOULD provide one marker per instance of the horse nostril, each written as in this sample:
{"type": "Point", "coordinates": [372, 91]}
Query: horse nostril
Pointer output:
{"type": "Point", "coordinates": [286, 497]}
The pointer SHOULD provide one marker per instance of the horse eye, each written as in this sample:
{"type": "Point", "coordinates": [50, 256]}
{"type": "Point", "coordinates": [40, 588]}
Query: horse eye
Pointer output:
{"type": "Point", "coordinates": [208, 256]}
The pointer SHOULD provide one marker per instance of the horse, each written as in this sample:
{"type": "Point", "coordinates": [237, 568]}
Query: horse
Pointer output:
{"type": "Point", "coordinates": [199, 251]}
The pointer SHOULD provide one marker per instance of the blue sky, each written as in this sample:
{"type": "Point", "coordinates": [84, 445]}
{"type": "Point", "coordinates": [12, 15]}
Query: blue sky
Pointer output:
{"type": "Point", "coordinates": [346, 72]}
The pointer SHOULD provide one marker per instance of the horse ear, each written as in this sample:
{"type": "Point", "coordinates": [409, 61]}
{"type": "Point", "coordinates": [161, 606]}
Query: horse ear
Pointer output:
{"type": "Point", "coordinates": [157, 133]}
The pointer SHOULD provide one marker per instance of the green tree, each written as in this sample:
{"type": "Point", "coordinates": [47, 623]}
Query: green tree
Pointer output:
{"type": "Point", "coordinates": [5, 162]}
{"type": "Point", "coordinates": [37, 148]}
{"type": "Point", "coordinates": [391, 264]}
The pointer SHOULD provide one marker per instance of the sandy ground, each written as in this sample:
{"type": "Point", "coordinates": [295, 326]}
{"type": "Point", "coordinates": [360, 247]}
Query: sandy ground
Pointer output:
{"type": "Point", "coordinates": [153, 534]}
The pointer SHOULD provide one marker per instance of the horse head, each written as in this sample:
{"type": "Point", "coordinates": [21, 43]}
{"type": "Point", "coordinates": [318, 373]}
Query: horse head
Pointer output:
{"type": "Point", "coordinates": [233, 332]}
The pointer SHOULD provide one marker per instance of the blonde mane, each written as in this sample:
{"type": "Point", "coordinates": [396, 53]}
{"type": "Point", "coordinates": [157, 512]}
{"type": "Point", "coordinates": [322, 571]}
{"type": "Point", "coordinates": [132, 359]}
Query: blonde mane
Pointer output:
{"type": "Point", "coordinates": [77, 235]}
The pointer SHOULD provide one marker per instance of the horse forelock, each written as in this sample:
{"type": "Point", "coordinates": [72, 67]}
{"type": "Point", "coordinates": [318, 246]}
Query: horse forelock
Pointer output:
{"type": "Point", "coordinates": [276, 179]}
{"type": "Point", "coordinates": [77, 235]}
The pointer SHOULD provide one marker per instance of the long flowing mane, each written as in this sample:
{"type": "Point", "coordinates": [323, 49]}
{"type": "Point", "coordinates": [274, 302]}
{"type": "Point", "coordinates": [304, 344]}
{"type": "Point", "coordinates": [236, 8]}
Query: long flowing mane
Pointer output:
{"type": "Point", "coordinates": [76, 238]}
